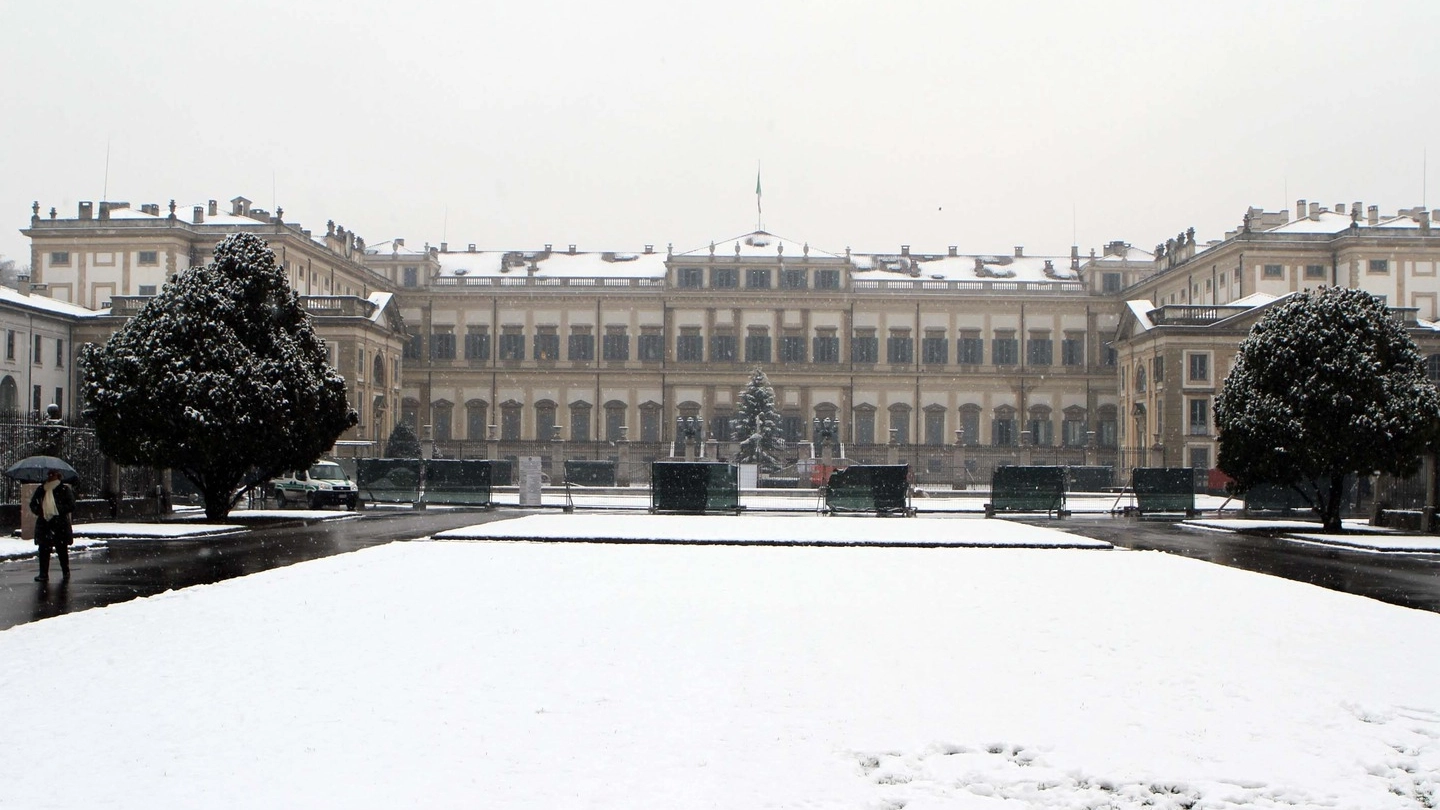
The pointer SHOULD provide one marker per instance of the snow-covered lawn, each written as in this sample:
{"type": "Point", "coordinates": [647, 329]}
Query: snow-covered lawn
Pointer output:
{"type": "Point", "coordinates": [554, 674]}
{"type": "Point", "coordinates": [794, 530]}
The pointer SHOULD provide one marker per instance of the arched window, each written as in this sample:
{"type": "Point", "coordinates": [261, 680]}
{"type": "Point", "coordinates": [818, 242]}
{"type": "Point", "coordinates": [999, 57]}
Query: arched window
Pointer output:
{"type": "Point", "coordinates": [410, 413]}
{"type": "Point", "coordinates": [545, 423]}
{"type": "Point", "coordinates": [650, 414]}
{"type": "Point", "coordinates": [476, 420]}
{"type": "Point", "coordinates": [864, 430]}
{"type": "Point", "coordinates": [580, 421]}
{"type": "Point", "coordinates": [442, 412]}
{"type": "Point", "coordinates": [935, 425]}
{"type": "Point", "coordinates": [1002, 432]}
{"type": "Point", "coordinates": [615, 421]}
{"type": "Point", "coordinates": [899, 423]}
{"type": "Point", "coordinates": [1042, 430]}
{"type": "Point", "coordinates": [970, 423]}
{"type": "Point", "coordinates": [510, 419]}
{"type": "Point", "coordinates": [1140, 379]}
{"type": "Point", "coordinates": [9, 395]}
{"type": "Point", "coordinates": [377, 376]}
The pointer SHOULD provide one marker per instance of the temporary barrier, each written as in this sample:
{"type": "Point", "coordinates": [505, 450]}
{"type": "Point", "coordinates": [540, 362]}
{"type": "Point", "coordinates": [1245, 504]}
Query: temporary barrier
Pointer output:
{"type": "Point", "coordinates": [388, 480]}
{"type": "Point", "coordinates": [880, 488]}
{"type": "Point", "coordinates": [590, 473]}
{"type": "Point", "coordinates": [1163, 489]}
{"type": "Point", "coordinates": [1027, 489]}
{"type": "Point", "coordinates": [458, 482]}
{"type": "Point", "coordinates": [1089, 479]}
{"type": "Point", "coordinates": [695, 486]}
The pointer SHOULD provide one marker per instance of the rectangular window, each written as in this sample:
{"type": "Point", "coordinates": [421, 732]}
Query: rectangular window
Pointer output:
{"type": "Point", "coordinates": [1004, 433]}
{"type": "Point", "coordinates": [9, 344]}
{"type": "Point", "coordinates": [1042, 432]}
{"type": "Point", "coordinates": [757, 347]}
{"type": "Point", "coordinates": [579, 424]}
{"type": "Point", "coordinates": [1039, 350]}
{"type": "Point", "coordinates": [1274, 271]}
{"type": "Point", "coordinates": [1199, 417]}
{"type": "Point", "coordinates": [1072, 351]}
{"type": "Point", "coordinates": [792, 429]}
{"type": "Point", "coordinates": [1110, 282]}
{"type": "Point", "coordinates": [900, 426]}
{"type": "Point", "coordinates": [615, 346]}
{"type": "Point", "coordinates": [865, 427]}
{"type": "Point", "coordinates": [60, 353]}
{"type": "Point", "coordinates": [722, 349]}
{"type": "Point", "coordinates": [1159, 370]}
{"type": "Point", "coordinates": [147, 289]}
{"type": "Point", "coordinates": [934, 349]}
{"type": "Point", "coordinates": [690, 346]}
{"type": "Point", "coordinates": [1379, 266]}
{"type": "Point", "coordinates": [970, 424]}
{"type": "Point", "coordinates": [36, 355]}
{"type": "Point", "coordinates": [59, 400]}
{"type": "Point", "coordinates": [410, 277]}
{"type": "Point", "coordinates": [724, 278]}
{"type": "Point", "coordinates": [1005, 349]}
{"type": "Point", "coordinates": [1314, 271]}
{"type": "Point", "coordinates": [827, 279]}
{"type": "Point", "coordinates": [477, 343]}
{"type": "Point", "coordinates": [442, 346]}
{"type": "Point", "coordinates": [792, 349]}
{"type": "Point", "coordinates": [935, 428]}
{"type": "Point", "coordinates": [60, 258]}
{"type": "Point", "coordinates": [1106, 434]}
{"type": "Point", "coordinates": [547, 347]}
{"type": "Point", "coordinates": [509, 418]}
{"type": "Point", "coordinates": [1109, 356]}
{"type": "Point", "coordinates": [690, 278]}
{"type": "Point", "coordinates": [149, 257]}
{"type": "Point", "coordinates": [512, 343]}
{"type": "Point", "coordinates": [827, 347]}
{"type": "Point", "coordinates": [414, 347]}
{"type": "Point", "coordinates": [649, 424]}
{"type": "Point", "coordinates": [899, 348]}
{"type": "Point", "coordinates": [972, 349]}
{"type": "Point", "coordinates": [794, 279]}
{"type": "Point", "coordinates": [1199, 368]}
{"type": "Point", "coordinates": [1073, 432]}
{"type": "Point", "coordinates": [864, 347]}
{"type": "Point", "coordinates": [37, 396]}
{"type": "Point", "coordinates": [651, 345]}
{"type": "Point", "coordinates": [757, 279]}
{"type": "Point", "coordinates": [581, 344]}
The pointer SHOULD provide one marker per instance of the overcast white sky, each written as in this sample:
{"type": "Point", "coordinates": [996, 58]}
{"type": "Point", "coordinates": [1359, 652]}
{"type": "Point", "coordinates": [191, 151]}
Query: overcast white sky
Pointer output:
{"type": "Point", "coordinates": [613, 125]}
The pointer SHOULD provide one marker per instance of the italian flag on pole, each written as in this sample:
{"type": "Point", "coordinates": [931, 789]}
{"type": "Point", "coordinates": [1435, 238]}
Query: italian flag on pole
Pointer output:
{"type": "Point", "coordinates": [757, 191]}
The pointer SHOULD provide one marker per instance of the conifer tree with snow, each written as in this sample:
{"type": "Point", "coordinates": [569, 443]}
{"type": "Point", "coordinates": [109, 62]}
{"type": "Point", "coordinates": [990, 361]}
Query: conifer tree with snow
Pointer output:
{"type": "Point", "coordinates": [220, 377]}
{"type": "Point", "coordinates": [1327, 384]}
{"type": "Point", "coordinates": [403, 443]}
{"type": "Point", "coordinates": [757, 425]}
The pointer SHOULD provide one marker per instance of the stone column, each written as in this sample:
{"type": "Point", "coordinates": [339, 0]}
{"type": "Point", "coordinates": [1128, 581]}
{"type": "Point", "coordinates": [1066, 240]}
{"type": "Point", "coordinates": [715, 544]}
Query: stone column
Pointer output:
{"type": "Point", "coordinates": [622, 466]}
{"type": "Point", "coordinates": [958, 478]}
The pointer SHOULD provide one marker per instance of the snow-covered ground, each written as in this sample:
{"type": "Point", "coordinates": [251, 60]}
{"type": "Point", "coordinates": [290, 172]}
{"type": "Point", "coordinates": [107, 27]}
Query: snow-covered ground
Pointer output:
{"type": "Point", "coordinates": [554, 674]}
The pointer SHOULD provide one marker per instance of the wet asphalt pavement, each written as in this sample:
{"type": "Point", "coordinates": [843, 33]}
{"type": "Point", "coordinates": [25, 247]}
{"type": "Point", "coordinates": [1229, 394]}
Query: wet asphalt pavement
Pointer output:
{"type": "Point", "coordinates": [128, 569]}
{"type": "Point", "coordinates": [1400, 578]}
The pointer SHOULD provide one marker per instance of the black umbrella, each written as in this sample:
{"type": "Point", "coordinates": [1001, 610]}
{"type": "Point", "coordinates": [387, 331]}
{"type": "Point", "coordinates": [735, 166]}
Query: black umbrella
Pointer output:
{"type": "Point", "coordinates": [35, 469]}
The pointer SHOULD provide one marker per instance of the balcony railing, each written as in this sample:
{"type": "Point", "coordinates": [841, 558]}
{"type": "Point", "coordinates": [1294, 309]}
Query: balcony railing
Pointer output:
{"type": "Point", "coordinates": [317, 305]}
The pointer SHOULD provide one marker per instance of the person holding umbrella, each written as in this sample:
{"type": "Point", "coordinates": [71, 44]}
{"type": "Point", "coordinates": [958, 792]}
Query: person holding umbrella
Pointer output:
{"type": "Point", "coordinates": [52, 504]}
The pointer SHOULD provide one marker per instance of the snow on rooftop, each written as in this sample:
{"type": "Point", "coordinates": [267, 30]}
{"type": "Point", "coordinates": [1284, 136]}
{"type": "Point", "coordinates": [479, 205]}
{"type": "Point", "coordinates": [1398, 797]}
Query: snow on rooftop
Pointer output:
{"type": "Point", "coordinates": [758, 244]}
{"type": "Point", "coordinates": [1140, 308]}
{"type": "Point", "coordinates": [1327, 222]}
{"type": "Point", "coordinates": [38, 301]}
{"type": "Point", "coordinates": [965, 267]}
{"type": "Point", "coordinates": [555, 264]}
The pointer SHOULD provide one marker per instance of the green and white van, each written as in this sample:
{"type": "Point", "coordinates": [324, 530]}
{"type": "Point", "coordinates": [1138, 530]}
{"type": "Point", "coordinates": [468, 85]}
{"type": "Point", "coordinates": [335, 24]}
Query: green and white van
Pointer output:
{"type": "Point", "coordinates": [324, 484]}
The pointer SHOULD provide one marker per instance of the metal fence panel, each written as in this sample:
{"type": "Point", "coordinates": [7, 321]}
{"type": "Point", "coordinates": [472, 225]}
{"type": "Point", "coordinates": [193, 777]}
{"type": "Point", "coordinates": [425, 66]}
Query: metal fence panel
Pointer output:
{"type": "Point", "coordinates": [880, 488]}
{"type": "Point", "coordinates": [1027, 489]}
{"type": "Point", "coordinates": [696, 487]}
{"type": "Point", "coordinates": [458, 483]}
{"type": "Point", "coordinates": [389, 480]}
{"type": "Point", "coordinates": [1163, 489]}
{"type": "Point", "coordinates": [587, 473]}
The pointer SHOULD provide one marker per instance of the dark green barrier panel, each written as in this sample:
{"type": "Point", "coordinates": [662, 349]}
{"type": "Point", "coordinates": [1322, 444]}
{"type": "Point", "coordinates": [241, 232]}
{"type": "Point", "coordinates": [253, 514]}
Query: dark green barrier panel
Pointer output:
{"type": "Point", "coordinates": [1027, 489]}
{"type": "Point", "coordinates": [458, 482]}
{"type": "Point", "coordinates": [1163, 489]}
{"type": "Point", "coordinates": [388, 480]}
{"type": "Point", "coordinates": [1090, 479]}
{"type": "Point", "coordinates": [698, 487]}
{"type": "Point", "coordinates": [590, 473]}
{"type": "Point", "coordinates": [880, 488]}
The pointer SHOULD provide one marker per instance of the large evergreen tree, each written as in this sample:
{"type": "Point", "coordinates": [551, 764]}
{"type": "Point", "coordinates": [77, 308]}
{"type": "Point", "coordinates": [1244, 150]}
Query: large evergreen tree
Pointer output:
{"type": "Point", "coordinates": [403, 443]}
{"type": "Point", "coordinates": [757, 425]}
{"type": "Point", "coordinates": [221, 377]}
{"type": "Point", "coordinates": [1326, 385]}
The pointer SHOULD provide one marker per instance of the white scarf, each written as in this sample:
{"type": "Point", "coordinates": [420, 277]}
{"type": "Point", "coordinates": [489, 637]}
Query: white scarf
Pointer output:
{"type": "Point", "coordinates": [48, 509]}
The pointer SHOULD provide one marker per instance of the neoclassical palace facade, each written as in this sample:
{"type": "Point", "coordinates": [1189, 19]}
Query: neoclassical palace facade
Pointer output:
{"type": "Point", "coordinates": [949, 361]}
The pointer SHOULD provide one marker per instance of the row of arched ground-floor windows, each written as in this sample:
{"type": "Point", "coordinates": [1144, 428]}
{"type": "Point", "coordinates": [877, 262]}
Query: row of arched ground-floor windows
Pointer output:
{"type": "Point", "coordinates": [934, 425]}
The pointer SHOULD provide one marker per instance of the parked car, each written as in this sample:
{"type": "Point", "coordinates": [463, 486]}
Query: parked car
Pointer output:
{"type": "Point", "coordinates": [324, 484]}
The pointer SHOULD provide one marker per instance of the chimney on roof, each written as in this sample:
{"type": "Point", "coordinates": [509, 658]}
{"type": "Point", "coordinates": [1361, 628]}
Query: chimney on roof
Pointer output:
{"type": "Point", "coordinates": [1300, 209]}
{"type": "Point", "coordinates": [214, 208]}
{"type": "Point", "coordinates": [1019, 251]}
{"type": "Point", "coordinates": [399, 241]}
{"type": "Point", "coordinates": [1074, 257]}
{"type": "Point", "coordinates": [104, 210]}
{"type": "Point", "coordinates": [954, 250]}
{"type": "Point", "coordinates": [240, 207]}
{"type": "Point", "coordinates": [472, 247]}
{"type": "Point", "coordinates": [1372, 215]}
{"type": "Point", "coordinates": [548, 246]}
{"type": "Point", "coordinates": [904, 250]}
{"type": "Point", "coordinates": [1357, 209]}
{"type": "Point", "coordinates": [572, 250]}
{"type": "Point", "coordinates": [444, 247]}
{"type": "Point", "coordinates": [199, 215]}
{"type": "Point", "coordinates": [1314, 210]}
{"type": "Point", "coordinates": [649, 249]}
{"type": "Point", "coordinates": [1423, 217]}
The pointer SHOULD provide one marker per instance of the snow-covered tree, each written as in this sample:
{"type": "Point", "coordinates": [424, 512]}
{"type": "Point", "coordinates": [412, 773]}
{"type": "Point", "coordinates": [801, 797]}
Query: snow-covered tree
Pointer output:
{"type": "Point", "coordinates": [757, 425]}
{"type": "Point", "coordinates": [221, 377]}
{"type": "Point", "coordinates": [403, 443]}
{"type": "Point", "coordinates": [1327, 384]}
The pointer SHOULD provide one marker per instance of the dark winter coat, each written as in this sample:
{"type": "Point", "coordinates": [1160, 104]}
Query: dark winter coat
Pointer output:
{"type": "Point", "coordinates": [54, 532]}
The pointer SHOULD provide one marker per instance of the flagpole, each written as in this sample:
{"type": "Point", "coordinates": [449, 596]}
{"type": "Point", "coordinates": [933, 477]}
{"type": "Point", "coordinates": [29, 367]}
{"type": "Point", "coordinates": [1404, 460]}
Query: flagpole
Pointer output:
{"type": "Point", "coordinates": [759, 221]}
